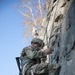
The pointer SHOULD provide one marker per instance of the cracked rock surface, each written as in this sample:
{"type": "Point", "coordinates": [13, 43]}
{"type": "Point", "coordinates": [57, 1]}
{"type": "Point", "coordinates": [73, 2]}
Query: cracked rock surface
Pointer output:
{"type": "Point", "coordinates": [60, 34]}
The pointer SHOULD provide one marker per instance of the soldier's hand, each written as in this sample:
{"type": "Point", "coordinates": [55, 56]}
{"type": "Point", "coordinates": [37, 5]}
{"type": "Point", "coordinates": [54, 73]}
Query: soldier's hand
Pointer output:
{"type": "Point", "coordinates": [49, 50]}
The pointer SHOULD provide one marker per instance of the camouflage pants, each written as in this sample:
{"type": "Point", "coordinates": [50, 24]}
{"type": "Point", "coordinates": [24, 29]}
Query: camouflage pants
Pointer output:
{"type": "Point", "coordinates": [42, 69]}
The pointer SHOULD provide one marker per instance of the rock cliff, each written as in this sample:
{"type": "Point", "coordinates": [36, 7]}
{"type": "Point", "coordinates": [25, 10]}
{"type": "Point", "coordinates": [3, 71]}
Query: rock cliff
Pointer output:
{"type": "Point", "coordinates": [59, 32]}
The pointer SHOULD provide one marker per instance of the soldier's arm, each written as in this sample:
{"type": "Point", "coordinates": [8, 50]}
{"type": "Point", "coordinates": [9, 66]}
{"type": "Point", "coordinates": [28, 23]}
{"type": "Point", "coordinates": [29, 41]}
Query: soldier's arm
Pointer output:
{"type": "Point", "coordinates": [23, 52]}
{"type": "Point", "coordinates": [32, 54]}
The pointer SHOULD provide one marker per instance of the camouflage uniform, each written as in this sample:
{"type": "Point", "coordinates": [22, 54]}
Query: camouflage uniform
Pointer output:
{"type": "Point", "coordinates": [31, 61]}
{"type": "Point", "coordinates": [31, 58]}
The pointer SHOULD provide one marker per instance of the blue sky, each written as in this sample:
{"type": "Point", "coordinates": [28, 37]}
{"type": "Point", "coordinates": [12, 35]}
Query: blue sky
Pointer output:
{"type": "Point", "coordinates": [11, 36]}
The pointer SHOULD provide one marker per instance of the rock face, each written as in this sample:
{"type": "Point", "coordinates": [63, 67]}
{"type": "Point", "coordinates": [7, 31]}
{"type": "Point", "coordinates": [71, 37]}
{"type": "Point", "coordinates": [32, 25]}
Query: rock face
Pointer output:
{"type": "Point", "coordinates": [59, 32]}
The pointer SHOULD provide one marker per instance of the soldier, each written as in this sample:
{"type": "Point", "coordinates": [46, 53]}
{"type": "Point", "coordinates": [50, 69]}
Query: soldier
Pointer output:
{"type": "Point", "coordinates": [32, 56]}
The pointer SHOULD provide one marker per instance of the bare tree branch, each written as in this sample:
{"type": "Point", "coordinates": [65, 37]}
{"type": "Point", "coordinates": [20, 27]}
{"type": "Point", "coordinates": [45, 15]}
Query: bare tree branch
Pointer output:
{"type": "Point", "coordinates": [40, 8]}
{"type": "Point", "coordinates": [34, 13]}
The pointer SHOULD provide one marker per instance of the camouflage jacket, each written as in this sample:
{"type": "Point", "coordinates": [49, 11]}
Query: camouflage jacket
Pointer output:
{"type": "Point", "coordinates": [31, 54]}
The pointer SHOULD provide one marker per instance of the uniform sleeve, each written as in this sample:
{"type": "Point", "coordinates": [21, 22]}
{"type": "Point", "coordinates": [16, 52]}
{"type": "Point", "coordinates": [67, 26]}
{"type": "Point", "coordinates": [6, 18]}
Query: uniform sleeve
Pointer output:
{"type": "Point", "coordinates": [23, 52]}
{"type": "Point", "coordinates": [32, 54]}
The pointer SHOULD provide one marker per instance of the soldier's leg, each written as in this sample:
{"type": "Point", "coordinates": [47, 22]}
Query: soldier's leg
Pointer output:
{"type": "Point", "coordinates": [29, 72]}
{"type": "Point", "coordinates": [40, 69]}
{"type": "Point", "coordinates": [54, 69]}
{"type": "Point", "coordinates": [23, 70]}
{"type": "Point", "coordinates": [26, 70]}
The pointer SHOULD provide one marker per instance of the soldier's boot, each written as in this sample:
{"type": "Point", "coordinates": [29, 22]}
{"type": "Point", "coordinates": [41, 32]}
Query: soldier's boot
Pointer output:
{"type": "Point", "coordinates": [54, 69]}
